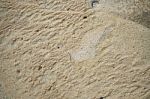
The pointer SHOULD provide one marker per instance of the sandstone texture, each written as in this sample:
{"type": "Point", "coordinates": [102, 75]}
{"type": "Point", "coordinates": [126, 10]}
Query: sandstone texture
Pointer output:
{"type": "Point", "coordinates": [135, 10]}
{"type": "Point", "coordinates": [68, 49]}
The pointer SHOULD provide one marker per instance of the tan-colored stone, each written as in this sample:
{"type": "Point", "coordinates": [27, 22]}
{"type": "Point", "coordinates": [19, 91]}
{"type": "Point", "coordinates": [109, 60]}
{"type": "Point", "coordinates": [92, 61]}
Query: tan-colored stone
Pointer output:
{"type": "Point", "coordinates": [77, 53]}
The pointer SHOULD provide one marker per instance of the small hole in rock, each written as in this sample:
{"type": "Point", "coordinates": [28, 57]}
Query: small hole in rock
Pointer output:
{"type": "Point", "coordinates": [84, 17]}
{"type": "Point", "coordinates": [59, 46]}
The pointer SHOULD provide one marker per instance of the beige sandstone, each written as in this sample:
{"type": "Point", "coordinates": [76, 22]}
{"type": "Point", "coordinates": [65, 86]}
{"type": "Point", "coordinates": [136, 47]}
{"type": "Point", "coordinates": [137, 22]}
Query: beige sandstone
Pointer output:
{"type": "Point", "coordinates": [62, 49]}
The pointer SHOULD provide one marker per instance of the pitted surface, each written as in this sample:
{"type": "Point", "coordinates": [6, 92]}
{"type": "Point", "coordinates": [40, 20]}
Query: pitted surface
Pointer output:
{"type": "Point", "coordinates": [38, 41]}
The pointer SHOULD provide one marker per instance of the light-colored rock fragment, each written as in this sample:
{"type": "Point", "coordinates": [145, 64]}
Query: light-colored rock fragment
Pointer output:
{"type": "Point", "coordinates": [87, 48]}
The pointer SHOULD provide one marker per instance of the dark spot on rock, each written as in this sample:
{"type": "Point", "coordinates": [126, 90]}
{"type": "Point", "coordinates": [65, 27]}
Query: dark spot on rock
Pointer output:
{"type": "Point", "coordinates": [49, 88]}
{"type": "Point", "coordinates": [46, 26]}
{"type": "Point", "coordinates": [37, 30]}
{"type": "Point", "coordinates": [63, 19]}
{"type": "Point", "coordinates": [101, 98]}
{"type": "Point", "coordinates": [40, 67]}
{"type": "Point", "coordinates": [84, 17]}
{"type": "Point", "coordinates": [59, 46]}
{"type": "Point", "coordinates": [68, 9]}
{"type": "Point", "coordinates": [18, 71]}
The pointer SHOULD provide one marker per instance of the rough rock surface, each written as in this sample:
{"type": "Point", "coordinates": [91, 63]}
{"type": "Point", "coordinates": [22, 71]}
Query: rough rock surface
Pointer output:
{"type": "Point", "coordinates": [135, 10]}
{"type": "Point", "coordinates": [61, 49]}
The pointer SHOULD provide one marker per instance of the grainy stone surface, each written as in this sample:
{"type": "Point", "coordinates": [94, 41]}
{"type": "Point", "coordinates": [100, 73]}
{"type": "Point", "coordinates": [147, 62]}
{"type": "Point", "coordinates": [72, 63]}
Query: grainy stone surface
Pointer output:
{"type": "Point", "coordinates": [135, 10]}
{"type": "Point", "coordinates": [61, 49]}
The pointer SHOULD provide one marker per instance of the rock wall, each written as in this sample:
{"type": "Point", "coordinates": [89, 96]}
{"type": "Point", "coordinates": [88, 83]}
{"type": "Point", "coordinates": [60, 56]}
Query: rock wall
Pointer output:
{"type": "Point", "coordinates": [63, 49]}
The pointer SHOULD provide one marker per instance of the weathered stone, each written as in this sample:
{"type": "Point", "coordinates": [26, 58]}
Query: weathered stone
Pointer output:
{"type": "Point", "coordinates": [61, 49]}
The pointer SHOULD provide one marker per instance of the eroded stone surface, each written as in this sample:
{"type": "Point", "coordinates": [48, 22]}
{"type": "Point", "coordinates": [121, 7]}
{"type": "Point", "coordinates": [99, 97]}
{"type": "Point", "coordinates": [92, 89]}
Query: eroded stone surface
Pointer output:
{"type": "Point", "coordinates": [36, 44]}
{"type": "Point", "coordinates": [135, 10]}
